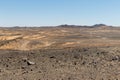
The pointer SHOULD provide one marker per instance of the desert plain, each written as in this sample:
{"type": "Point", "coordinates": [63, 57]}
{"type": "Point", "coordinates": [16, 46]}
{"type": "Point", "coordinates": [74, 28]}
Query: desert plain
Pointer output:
{"type": "Point", "coordinates": [60, 53]}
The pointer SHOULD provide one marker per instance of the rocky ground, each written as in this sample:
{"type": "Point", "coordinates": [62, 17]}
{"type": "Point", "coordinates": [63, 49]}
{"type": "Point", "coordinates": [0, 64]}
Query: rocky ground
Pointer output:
{"type": "Point", "coordinates": [59, 54]}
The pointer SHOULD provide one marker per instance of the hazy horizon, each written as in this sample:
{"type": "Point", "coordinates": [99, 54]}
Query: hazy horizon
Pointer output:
{"type": "Point", "coordinates": [54, 12]}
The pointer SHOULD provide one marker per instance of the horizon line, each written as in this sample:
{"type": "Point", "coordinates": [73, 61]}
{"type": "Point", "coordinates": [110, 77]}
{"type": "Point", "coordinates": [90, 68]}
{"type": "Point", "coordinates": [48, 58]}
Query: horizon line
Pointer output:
{"type": "Point", "coordinates": [59, 25]}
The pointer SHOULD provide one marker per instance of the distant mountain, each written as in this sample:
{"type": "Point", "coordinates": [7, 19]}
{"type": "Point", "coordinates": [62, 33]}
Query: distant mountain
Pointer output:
{"type": "Point", "coordinates": [99, 25]}
{"type": "Point", "coordinates": [79, 26]}
{"type": "Point", "coordinates": [69, 26]}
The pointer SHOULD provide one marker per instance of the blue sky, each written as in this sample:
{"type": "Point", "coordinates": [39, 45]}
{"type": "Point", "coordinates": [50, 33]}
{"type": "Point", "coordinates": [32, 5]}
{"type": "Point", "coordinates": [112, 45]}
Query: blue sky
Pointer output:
{"type": "Point", "coordinates": [56, 12]}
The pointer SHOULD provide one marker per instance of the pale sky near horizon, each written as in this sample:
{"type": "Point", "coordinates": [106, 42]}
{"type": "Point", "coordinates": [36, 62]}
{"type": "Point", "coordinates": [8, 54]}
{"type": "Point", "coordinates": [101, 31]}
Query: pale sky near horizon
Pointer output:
{"type": "Point", "coordinates": [57, 12]}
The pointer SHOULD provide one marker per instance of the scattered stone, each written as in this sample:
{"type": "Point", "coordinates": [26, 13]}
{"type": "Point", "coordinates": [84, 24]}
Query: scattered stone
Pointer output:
{"type": "Point", "coordinates": [52, 57]}
{"type": "Point", "coordinates": [25, 59]}
{"type": "Point", "coordinates": [116, 58]}
{"type": "Point", "coordinates": [23, 67]}
{"type": "Point", "coordinates": [30, 63]}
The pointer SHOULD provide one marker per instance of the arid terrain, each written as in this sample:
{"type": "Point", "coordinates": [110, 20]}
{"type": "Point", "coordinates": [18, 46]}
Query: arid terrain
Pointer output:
{"type": "Point", "coordinates": [60, 53]}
